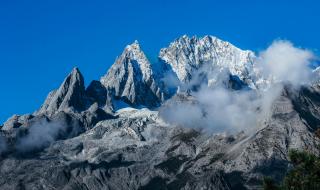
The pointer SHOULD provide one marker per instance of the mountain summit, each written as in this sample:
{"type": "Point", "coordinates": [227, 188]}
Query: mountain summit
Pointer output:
{"type": "Point", "coordinates": [190, 56]}
{"type": "Point", "coordinates": [197, 118]}
{"type": "Point", "coordinates": [131, 79]}
{"type": "Point", "coordinates": [70, 95]}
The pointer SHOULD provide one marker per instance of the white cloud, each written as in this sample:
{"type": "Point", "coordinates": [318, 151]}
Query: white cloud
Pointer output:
{"type": "Point", "coordinates": [286, 63]}
{"type": "Point", "coordinates": [41, 134]}
{"type": "Point", "coordinates": [224, 110]}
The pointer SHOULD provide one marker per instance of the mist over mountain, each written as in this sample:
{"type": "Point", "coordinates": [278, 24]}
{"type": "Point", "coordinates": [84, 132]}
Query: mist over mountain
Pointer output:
{"type": "Point", "coordinates": [205, 115]}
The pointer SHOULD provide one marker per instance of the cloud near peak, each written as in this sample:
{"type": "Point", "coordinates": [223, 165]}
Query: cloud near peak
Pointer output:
{"type": "Point", "coordinates": [284, 62]}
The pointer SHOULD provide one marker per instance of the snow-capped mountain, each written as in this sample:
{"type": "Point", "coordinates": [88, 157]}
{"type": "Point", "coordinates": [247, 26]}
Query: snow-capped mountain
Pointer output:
{"type": "Point", "coordinates": [111, 135]}
{"type": "Point", "coordinates": [209, 55]}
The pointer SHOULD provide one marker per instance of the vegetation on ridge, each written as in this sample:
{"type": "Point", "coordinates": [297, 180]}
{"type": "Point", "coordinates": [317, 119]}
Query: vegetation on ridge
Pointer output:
{"type": "Point", "coordinates": [304, 174]}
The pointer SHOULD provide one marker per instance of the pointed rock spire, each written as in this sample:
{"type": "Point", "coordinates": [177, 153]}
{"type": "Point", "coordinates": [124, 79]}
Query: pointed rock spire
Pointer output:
{"type": "Point", "coordinates": [69, 96]}
{"type": "Point", "coordinates": [131, 78]}
{"type": "Point", "coordinates": [135, 45]}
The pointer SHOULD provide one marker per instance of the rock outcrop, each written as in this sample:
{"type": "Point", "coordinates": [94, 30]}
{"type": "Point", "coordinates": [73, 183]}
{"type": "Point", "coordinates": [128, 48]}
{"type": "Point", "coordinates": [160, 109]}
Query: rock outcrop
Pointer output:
{"type": "Point", "coordinates": [131, 79]}
{"type": "Point", "coordinates": [81, 138]}
{"type": "Point", "coordinates": [70, 96]}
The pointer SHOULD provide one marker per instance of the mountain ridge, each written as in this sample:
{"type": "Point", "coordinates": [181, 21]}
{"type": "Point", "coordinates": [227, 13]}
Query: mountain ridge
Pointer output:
{"type": "Point", "coordinates": [115, 133]}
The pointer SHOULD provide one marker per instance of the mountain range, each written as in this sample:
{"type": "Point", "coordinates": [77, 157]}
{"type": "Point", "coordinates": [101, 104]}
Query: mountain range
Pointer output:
{"type": "Point", "coordinates": [203, 116]}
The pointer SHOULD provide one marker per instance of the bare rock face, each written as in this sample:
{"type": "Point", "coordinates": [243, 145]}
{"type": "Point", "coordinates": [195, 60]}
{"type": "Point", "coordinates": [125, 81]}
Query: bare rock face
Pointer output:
{"type": "Point", "coordinates": [194, 58]}
{"type": "Point", "coordinates": [307, 104]}
{"type": "Point", "coordinates": [16, 121]}
{"type": "Point", "coordinates": [78, 140]}
{"type": "Point", "coordinates": [265, 153]}
{"type": "Point", "coordinates": [131, 79]}
{"type": "Point", "coordinates": [93, 115]}
{"type": "Point", "coordinates": [138, 147]}
{"type": "Point", "coordinates": [99, 94]}
{"type": "Point", "coordinates": [11, 123]}
{"type": "Point", "coordinates": [69, 96]}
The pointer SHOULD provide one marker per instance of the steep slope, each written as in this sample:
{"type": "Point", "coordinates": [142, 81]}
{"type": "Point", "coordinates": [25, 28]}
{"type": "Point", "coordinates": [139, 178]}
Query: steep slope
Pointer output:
{"type": "Point", "coordinates": [146, 153]}
{"type": "Point", "coordinates": [74, 142]}
{"type": "Point", "coordinates": [191, 58]}
{"type": "Point", "coordinates": [96, 92]}
{"type": "Point", "coordinates": [266, 151]}
{"type": "Point", "coordinates": [131, 79]}
{"type": "Point", "coordinates": [70, 96]}
{"type": "Point", "coordinates": [136, 148]}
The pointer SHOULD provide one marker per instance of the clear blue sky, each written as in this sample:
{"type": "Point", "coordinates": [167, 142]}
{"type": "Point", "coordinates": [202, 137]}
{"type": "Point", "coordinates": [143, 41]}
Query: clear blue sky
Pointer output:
{"type": "Point", "coordinates": [41, 41]}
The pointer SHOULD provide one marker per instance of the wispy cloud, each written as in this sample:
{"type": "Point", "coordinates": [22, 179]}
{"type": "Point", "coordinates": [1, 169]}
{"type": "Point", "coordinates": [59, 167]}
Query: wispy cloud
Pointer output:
{"type": "Point", "coordinates": [287, 63]}
{"type": "Point", "coordinates": [41, 134]}
{"type": "Point", "coordinates": [220, 109]}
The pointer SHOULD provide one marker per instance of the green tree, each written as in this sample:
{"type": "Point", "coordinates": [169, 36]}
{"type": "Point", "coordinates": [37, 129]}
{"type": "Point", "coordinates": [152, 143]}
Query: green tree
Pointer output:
{"type": "Point", "coordinates": [269, 184]}
{"type": "Point", "coordinates": [304, 175]}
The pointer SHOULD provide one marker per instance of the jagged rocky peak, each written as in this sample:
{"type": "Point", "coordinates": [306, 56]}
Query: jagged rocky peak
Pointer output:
{"type": "Point", "coordinates": [138, 146]}
{"type": "Point", "coordinates": [133, 53]}
{"type": "Point", "coordinates": [188, 55]}
{"type": "Point", "coordinates": [131, 79]}
{"type": "Point", "coordinates": [70, 96]}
